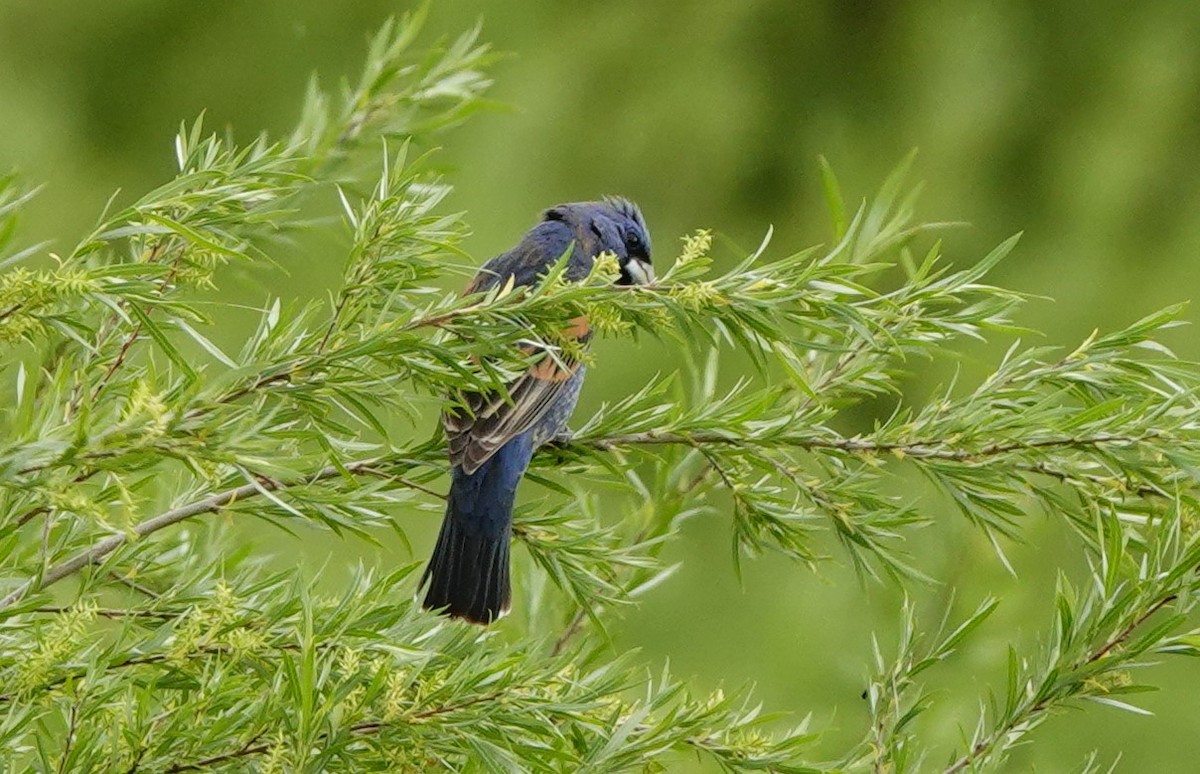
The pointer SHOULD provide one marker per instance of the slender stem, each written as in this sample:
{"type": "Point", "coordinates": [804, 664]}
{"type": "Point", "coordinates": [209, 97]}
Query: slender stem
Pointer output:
{"type": "Point", "coordinates": [103, 332]}
{"type": "Point", "coordinates": [141, 588]}
{"type": "Point", "coordinates": [109, 612]}
{"type": "Point", "coordinates": [1128, 630]}
{"type": "Point", "coordinates": [135, 661]}
{"type": "Point", "coordinates": [210, 504]}
{"type": "Point", "coordinates": [988, 743]}
{"type": "Point", "coordinates": [920, 449]}
{"type": "Point", "coordinates": [916, 449]}
{"type": "Point", "coordinates": [254, 747]}
{"type": "Point", "coordinates": [286, 374]}
{"type": "Point", "coordinates": [136, 333]}
{"type": "Point", "coordinates": [31, 514]}
{"type": "Point", "coordinates": [343, 298]}
{"type": "Point", "coordinates": [575, 625]}
{"type": "Point", "coordinates": [1141, 489]}
{"type": "Point", "coordinates": [36, 511]}
{"type": "Point", "coordinates": [72, 726]}
{"type": "Point", "coordinates": [572, 629]}
{"type": "Point", "coordinates": [251, 747]}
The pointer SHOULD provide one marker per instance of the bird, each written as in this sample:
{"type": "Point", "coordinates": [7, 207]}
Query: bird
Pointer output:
{"type": "Point", "coordinates": [491, 437]}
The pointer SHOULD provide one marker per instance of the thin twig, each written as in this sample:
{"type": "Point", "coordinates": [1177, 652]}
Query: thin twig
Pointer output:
{"type": "Point", "coordinates": [572, 629]}
{"type": "Point", "coordinates": [72, 727]}
{"type": "Point", "coordinates": [266, 380]}
{"type": "Point", "coordinates": [985, 745]}
{"type": "Point", "coordinates": [136, 661]}
{"type": "Point", "coordinates": [921, 449]}
{"type": "Point", "coordinates": [136, 333]}
{"type": "Point", "coordinates": [109, 612]}
{"type": "Point", "coordinates": [575, 625]}
{"type": "Point", "coordinates": [1144, 490]}
{"type": "Point", "coordinates": [210, 504]}
{"type": "Point", "coordinates": [251, 747]}
{"type": "Point", "coordinates": [1128, 630]}
{"type": "Point", "coordinates": [140, 588]}
{"type": "Point", "coordinates": [103, 332]}
{"type": "Point", "coordinates": [33, 513]}
{"type": "Point", "coordinates": [406, 482]}
{"type": "Point", "coordinates": [254, 747]}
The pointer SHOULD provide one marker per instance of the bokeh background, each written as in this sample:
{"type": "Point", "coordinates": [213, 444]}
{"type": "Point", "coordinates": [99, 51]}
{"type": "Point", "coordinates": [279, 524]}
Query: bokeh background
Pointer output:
{"type": "Point", "coordinates": [1078, 123]}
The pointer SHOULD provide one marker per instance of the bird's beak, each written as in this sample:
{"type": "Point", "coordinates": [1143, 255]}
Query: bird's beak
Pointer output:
{"type": "Point", "coordinates": [641, 272]}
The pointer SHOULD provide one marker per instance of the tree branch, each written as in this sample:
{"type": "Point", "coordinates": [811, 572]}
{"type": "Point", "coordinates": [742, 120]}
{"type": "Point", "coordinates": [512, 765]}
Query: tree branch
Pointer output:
{"type": "Point", "coordinates": [985, 745]}
{"type": "Point", "coordinates": [915, 449]}
{"type": "Point", "coordinates": [130, 339]}
{"type": "Point", "coordinates": [253, 747]}
{"type": "Point", "coordinates": [111, 612]}
{"type": "Point", "coordinates": [210, 504]}
{"type": "Point", "coordinates": [921, 449]}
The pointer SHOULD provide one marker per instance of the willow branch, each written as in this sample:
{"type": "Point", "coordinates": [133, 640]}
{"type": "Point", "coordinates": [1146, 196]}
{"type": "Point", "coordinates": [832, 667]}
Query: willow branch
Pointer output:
{"type": "Point", "coordinates": [915, 449]}
{"type": "Point", "coordinates": [984, 746]}
{"type": "Point", "coordinates": [921, 449]}
{"type": "Point", "coordinates": [253, 747]}
{"type": "Point", "coordinates": [111, 612]}
{"type": "Point", "coordinates": [210, 504]}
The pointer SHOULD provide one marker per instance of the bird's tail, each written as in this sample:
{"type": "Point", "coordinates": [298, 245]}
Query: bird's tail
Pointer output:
{"type": "Point", "coordinates": [468, 572]}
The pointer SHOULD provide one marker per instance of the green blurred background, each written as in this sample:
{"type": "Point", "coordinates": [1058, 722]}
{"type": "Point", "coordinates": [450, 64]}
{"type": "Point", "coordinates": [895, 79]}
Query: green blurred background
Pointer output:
{"type": "Point", "coordinates": [1077, 123]}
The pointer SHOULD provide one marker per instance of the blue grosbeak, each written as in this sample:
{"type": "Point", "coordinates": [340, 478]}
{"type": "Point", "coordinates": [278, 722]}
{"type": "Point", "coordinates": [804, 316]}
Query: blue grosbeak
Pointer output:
{"type": "Point", "coordinates": [493, 438]}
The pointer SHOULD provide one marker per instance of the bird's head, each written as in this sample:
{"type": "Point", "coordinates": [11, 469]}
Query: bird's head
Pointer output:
{"type": "Point", "coordinates": [614, 225]}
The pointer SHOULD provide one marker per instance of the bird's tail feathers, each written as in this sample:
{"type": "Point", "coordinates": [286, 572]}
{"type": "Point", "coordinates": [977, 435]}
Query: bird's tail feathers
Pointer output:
{"type": "Point", "coordinates": [468, 574]}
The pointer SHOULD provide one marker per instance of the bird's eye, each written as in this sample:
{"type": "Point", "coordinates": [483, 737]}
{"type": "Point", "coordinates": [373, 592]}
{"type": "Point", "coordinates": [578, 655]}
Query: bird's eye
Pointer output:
{"type": "Point", "coordinates": [633, 242]}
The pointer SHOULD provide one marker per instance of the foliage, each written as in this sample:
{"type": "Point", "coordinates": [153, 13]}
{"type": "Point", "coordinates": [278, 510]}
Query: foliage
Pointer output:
{"type": "Point", "coordinates": [136, 636]}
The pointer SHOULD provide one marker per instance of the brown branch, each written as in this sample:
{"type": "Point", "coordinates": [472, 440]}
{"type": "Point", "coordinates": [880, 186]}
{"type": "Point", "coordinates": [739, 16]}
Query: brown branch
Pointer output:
{"type": "Point", "coordinates": [829, 377]}
{"type": "Point", "coordinates": [72, 728]}
{"type": "Point", "coordinates": [266, 380]}
{"type": "Point", "coordinates": [572, 629]}
{"type": "Point", "coordinates": [83, 475]}
{"type": "Point", "coordinates": [915, 449]}
{"type": "Point", "coordinates": [857, 445]}
{"type": "Point", "coordinates": [34, 512]}
{"type": "Point", "coordinates": [136, 661]}
{"type": "Point", "coordinates": [133, 336]}
{"type": "Point", "coordinates": [241, 392]}
{"type": "Point", "coordinates": [31, 514]}
{"type": "Point", "coordinates": [575, 625]}
{"type": "Point", "coordinates": [210, 504]}
{"type": "Point", "coordinates": [983, 746]}
{"type": "Point", "coordinates": [344, 294]}
{"type": "Point", "coordinates": [253, 747]}
{"type": "Point", "coordinates": [109, 612]}
{"type": "Point", "coordinates": [103, 332]}
{"type": "Point", "coordinates": [1144, 490]}
{"type": "Point", "coordinates": [126, 345]}
{"type": "Point", "coordinates": [1128, 630]}
{"type": "Point", "coordinates": [408, 483]}
{"type": "Point", "coordinates": [141, 588]}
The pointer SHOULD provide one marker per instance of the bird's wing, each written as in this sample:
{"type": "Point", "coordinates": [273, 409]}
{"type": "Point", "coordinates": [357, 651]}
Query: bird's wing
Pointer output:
{"type": "Point", "coordinates": [489, 420]}
{"type": "Point", "coordinates": [484, 422]}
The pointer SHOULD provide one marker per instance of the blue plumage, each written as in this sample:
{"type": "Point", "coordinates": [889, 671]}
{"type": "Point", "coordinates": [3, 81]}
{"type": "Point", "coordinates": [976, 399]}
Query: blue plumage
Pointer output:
{"type": "Point", "coordinates": [492, 440]}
